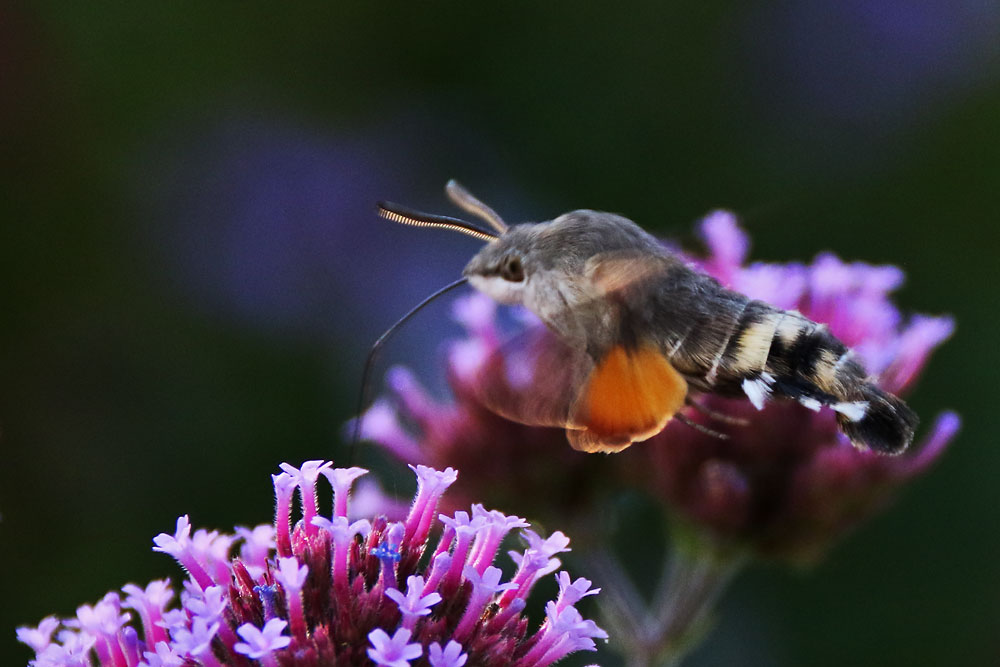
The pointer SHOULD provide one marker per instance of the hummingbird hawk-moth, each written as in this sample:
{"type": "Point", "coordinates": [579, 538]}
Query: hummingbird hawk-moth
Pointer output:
{"type": "Point", "coordinates": [637, 332]}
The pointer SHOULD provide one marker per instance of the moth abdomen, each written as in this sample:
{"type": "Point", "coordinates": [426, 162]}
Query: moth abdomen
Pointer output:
{"type": "Point", "coordinates": [887, 425]}
{"type": "Point", "coordinates": [749, 345]}
{"type": "Point", "coordinates": [804, 361]}
{"type": "Point", "coordinates": [694, 318]}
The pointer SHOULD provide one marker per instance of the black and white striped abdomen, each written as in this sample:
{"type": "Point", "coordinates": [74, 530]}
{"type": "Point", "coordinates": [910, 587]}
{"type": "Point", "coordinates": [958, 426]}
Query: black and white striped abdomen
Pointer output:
{"type": "Point", "coordinates": [773, 352]}
{"type": "Point", "coordinates": [790, 348]}
{"type": "Point", "coordinates": [725, 343]}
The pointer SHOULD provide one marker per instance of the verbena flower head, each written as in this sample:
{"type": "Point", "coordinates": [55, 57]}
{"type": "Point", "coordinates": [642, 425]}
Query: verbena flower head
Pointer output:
{"type": "Point", "coordinates": [785, 485]}
{"type": "Point", "coordinates": [326, 591]}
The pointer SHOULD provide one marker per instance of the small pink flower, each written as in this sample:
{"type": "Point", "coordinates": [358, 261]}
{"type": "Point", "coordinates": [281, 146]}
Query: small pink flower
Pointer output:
{"type": "Point", "coordinates": [449, 656]}
{"type": "Point", "coordinates": [393, 651]}
{"type": "Point", "coordinates": [261, 643]}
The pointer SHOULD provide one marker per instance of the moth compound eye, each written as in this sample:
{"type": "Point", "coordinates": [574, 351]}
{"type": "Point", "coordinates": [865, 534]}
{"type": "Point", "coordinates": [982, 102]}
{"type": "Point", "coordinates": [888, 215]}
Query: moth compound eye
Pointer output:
{"type": "Point", "coordinates": [511, 269]}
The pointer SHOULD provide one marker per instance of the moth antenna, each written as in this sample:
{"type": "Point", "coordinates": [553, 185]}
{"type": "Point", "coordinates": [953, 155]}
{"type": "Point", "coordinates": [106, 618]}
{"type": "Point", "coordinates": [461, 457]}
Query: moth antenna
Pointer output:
{"type": "Point", "coordinates": [370, 361]}
{"type": "Point", "coordinates": [405, 216]}
{"type": "Point", "coordinates": [469, 203]}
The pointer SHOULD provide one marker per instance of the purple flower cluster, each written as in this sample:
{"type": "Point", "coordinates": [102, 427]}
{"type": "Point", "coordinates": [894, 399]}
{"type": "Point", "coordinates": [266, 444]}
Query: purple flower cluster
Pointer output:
{"type": "Point", "coordinates": [785, 485]}
{"type": "Point", "coordinates": [328, 591]}
{"type": "Point", "coordinates": [789, 483]}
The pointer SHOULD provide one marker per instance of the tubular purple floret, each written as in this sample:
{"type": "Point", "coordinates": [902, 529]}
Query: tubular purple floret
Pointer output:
{"type": "Point", "coordinates": [563, 632]}
{"type": "Point", "coordinates": [163, 655]}
{"type": "Point", "coordinates": [341, 479]}
{"type": "Point", "coordinates": [393, 651]}
{"type": "Point", "coordinates": [197, 640]}
{"type": "Point", "coordinates": [440, 564]}
{"type": "Point", "coordinates": [431, 484]}
{"type": "Point", "coordinates": [484, 587]}
{"type": "Point", "coordinates": [445, 541]}
{"type": "Point", "coordinates": [554, 544]}
{"type": "Point", "coordinates": [178, 545]}
{"type": "Point", "coordinates": [531, 566]}
{"type": "Point", "coordinates": [290, 574]}
{"type": "Point", "coordinates": [462, 520]}
{"type": "Point", "coordinates": [130, 646]}
{"type": "Point", "coordinates": [508, 610]}
{"type": "Point", "coordinates": [284, 488]}
{"type": "Point", "coordinates": [487, 542]}
{"type": "Point", "coordinates": [175, 618]}
{"type": "Point", "coordinates": [546, 639]}
{"type": "Point", "coordinates": [292, 577]}
{"type": "Point", "coordinates": [389, 554]}
{"type": "Point", "coordinates": [72, 651]}
{"type": "Point", "coordinates": [449, 656]}
{"type": "Point", "coordinates": [571, 592]}
{"type": "Point", "coordinates": [536, 561]}
{"type": "Point", "coordinates": [38, 638]}
{"type": "Point", "coordinates": [257, 545]}
{"type": "Point", "coordinates": [104, 653]}
{"type": "Point", "coordinates": [103, 621]}
{"type": "Point", "coordinates": [414, 603]}
{"type": "Point", "coordinates": [307, 476]}
{"type": "Point", "coordinates": [342, 532]}
{"type": "Point", "coordinates": [211, 550]}
{"type": "Point", "coordinates": [261, 643]}
{"type": "Point", "coordinates": [149, 605]}
{"type": "Point", "coordinates": [487, 539]}
{"type": "Point", "coordinates": [210, 605]}
{"type": "Point", "coordinates": [565, 646]}
{"type": "Point", "coordinates": [459, 560]}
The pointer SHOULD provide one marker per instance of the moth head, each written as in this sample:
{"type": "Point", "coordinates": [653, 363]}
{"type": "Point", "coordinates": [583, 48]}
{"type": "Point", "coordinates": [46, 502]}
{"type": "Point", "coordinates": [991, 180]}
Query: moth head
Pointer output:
{"type": "Point", "coordinates": [571, 259]}
{"type": "Point", "coordinates": [534, 264]}
{"type": "Point", "coordinates": [506, 268]}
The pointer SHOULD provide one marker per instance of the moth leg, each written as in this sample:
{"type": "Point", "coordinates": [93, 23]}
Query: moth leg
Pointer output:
{"type": "Point", "coordinates": [700, 428]}
{"type": "Point", "coordinates": [718, 416]}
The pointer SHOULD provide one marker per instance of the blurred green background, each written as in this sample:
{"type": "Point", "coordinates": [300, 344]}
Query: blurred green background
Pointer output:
{"type": "Point", "coordinates": [192, 271]}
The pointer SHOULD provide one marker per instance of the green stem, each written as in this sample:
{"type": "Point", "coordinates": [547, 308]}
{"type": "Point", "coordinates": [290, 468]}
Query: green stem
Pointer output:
{"type": "Point", "coordinates": [699, 572]}
{"type": "Point", "coordinates": [663, 633]}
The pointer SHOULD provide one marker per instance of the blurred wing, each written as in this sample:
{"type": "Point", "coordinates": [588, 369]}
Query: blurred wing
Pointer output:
{"type": "Point", "coordinates": [630, 395]}
{"type": "Point", "coordinates": [534, 379]}
{"type": "Point", "coordinates": [613, 272]}
{"type": "Point", "coordinates": [538, 380]}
